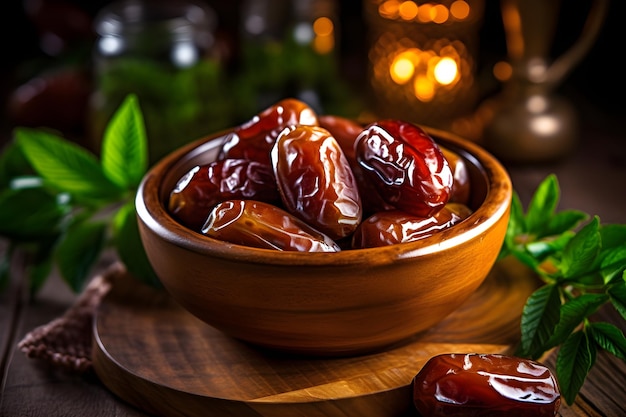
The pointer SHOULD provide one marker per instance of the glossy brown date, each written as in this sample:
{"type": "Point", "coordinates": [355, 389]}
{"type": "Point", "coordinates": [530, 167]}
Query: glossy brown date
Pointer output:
{"type": "Point", "coordinates": [395, 226]}
{"type": "Point", "coordinates": [485, 385]}
{"type": "Point", "coordinates": [346, 132]}
{"type": "Point", "coordinates": [254, 139]}
{"type": "Point", "coordinates": [460, 192]}
{"type": "Point", "coordinates": [262, 225]}
{"type": "Point", "coordinates": [204, 186]}
{"type": "Point", "coordinates": [315, 180]}
{"type": "Point", "coordinates": [406, 166]}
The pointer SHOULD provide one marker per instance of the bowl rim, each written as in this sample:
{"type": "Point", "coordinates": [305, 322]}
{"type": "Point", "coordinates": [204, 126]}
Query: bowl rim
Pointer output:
{"type": "Point", "coordinates": [151, 211]}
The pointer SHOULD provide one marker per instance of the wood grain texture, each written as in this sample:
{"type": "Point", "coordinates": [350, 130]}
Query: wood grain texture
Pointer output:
{"type": "Point", "coordinates": [155, 355]}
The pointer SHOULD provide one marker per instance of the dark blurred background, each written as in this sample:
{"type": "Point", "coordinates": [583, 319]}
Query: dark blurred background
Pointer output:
{"type": "Point", "coordinates": [40, 35]}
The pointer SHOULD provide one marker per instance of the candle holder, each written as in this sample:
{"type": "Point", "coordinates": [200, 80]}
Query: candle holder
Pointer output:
{"type": "Point", "coordinates": [422, 58]}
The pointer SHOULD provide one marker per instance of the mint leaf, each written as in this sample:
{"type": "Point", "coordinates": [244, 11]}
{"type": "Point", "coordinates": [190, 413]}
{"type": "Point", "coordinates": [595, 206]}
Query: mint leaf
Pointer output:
{"type": "Point", "coordinates": [613, 235]}
{"type": "Point", "coordinates": [617, 294]}
{"type": "Point", "coordinates": [13, 164]}
{"type": "Point", "coordinates": [610, 338]}
{"type": "Point", "coordinates": [542, 206]}
{"type": "Point", "coordinates": [581, 251]}
{"type": "Point", "coordinates": [564, 221]}
{"type": "Point", "coordinates": [585, 267]}
{"type": "Point", "coordinates": [613, 263]}
{"type": "Point", "coordinates": [546, 247]}
{"type": "Point", "coordinates": [573, 313]}
{"type": "Point", "coordinates": [130, 248]}
{"type": "Point", "coordinates": [78, 251]}
{"type": "Point", "coordinates": [517, 221]}
{"type": "Point", "coordinates": [124, 147]}
{"type": "Point", "coordinates": [539, 318]}
{"type": "Point", "coordinates": [31, 213]}
{"type": "Point", "coordinates": [65, 165]}
{"type": "Point", "coordinates": [573, 362]}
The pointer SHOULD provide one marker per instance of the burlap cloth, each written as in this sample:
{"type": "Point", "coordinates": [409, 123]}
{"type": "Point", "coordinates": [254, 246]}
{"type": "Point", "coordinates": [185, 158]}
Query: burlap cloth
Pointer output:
{"type": "Point", "coordinates": [66, 341]}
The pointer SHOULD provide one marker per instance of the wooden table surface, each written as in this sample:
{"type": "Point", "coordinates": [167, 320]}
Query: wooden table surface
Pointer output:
{"type": "Point", "coordinates": [593, 180]}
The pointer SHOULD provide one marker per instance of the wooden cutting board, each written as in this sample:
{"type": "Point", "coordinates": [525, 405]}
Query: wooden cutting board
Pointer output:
{"type": "Point", "coordinates": [155, 355]}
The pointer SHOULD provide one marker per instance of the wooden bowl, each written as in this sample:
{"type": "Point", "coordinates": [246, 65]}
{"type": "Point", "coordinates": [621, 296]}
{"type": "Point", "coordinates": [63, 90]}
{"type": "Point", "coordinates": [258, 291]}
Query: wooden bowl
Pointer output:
{"type": "Point", "coordinates": [324, 304]}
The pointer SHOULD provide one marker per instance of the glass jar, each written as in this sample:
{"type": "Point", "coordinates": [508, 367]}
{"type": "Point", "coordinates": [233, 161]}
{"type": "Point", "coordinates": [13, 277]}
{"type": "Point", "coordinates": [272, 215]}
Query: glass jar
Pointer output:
{"type": "Point", "coordinates": [165, 53]}
{"type": "Point", "coordinates": [289, 49]}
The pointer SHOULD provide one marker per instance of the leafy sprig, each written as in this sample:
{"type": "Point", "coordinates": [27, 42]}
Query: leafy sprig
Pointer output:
{"type": "Point", "coordinates": [63, 206]}
{"type": "Point", "coordinates": [582, 267]}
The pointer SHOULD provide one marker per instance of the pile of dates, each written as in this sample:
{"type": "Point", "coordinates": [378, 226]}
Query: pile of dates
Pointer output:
{"type": "Point", "coordinates": [289, 179]}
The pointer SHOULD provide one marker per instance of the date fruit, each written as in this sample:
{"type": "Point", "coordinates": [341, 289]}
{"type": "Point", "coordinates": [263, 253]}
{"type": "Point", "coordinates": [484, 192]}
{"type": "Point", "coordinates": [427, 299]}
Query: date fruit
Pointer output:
{"type": "Point", "coordinates": [262, 225]}
{"type": "Point", "coordinates": [315, 180]}
{"type": "Point", "coordinates": [346, 132]}
{"type": "Point", "coordinates": [485, 385]}
{"type": "Point", "coordinates": [253, 140]}
{"type": "Point", "coordinates": [395, 226]}
{"type": "Point", "coordinates": [204, 186]}
{"type": "Point", "coordinates": [460, 192]}
{"type": "Point", "coordinates": [406, 165]}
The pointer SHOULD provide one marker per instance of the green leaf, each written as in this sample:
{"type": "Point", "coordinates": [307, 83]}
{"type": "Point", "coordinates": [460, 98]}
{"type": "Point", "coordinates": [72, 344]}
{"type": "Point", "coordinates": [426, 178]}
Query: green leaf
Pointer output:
{"type": "Point", "coordinates": [612, 235]}
{"type": "Point", "coordinates": [539, 318]}
{"type": "Point", "coordinates": [573, 362]}
{"type": "Point", "coordinates": [30, 213]}
{"type": "Point", "coordinates": [564, 221]}
{"type": "Point", "coordinates": [581, 251]}
{"type": "Point", "coordinates": [573, 313]}
{"type": "Point", "coordinates": [78, 251]}
{"type": "Point", "coordinates": [527, 259]}
{"type": "Point", "coordinates": [542, 206]}
{"type": "Point", "coordinates": [124, 147]}
{"type": "Point", "coordinates": [610, 338]}
{"type": "Point", "coordinates": [65, 165]}
{"type": "Point", "coordinates": [517, 221]}
{"type": "Point", "coordinates": [13, 164]}
{"type": "Point", "coordinates": [617, 294]}
{"type": "Point", "coordinates": [545, 247]}
{"type": "Point", "coordinates": [130, 248]}
{"type": "Point", "coordinates": [613, 263]}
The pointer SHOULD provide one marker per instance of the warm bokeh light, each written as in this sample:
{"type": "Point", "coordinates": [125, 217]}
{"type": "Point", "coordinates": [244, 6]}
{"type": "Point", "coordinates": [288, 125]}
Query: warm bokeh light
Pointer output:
{"type": "Point", "coordinates": [422, 58]}
{"type": "Point", "coordinates": [407, 10]}
{"type": "Point", "coordinates": [430, 70]}
{"type": "Point", "coordinates": [389, 9]}
{"type": "Point", "coordinates": [424, 15]}
{"type": "Point", "coordinates": [324, 36]}
{"type": "Point", "coordinates": [424, 89]}
{"type": "Point", "coordinates": [402, 70]}
{"type": "Point", "coordinates": [502, 71]}
{"type": "Point", "coordinates": [439, 14]}
{"type": "Point", "coordinates": [323, 44]}
{"type": "Point", "coordinates": [323, 26]}
{"type": "Point", "coordinates": [424, 12]}
{"type": "Point", "coordinates": [460, 10]}
{"type": "Point", "coordinates": [446, 71]}
{"type": "Point", "coordinates": [403, 65]}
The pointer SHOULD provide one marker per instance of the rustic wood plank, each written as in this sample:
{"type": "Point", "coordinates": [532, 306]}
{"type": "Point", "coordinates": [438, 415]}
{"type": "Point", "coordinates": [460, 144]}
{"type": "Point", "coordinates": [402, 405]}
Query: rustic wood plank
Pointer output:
{"type": "Point", "coordinates": [12, 301]}
{"type": "Point", "coordinates": [34, 388]}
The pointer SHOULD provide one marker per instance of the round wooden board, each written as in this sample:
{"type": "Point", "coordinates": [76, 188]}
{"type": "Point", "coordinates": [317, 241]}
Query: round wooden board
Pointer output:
{"type": "Point", "coordinates": [155, 355]}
